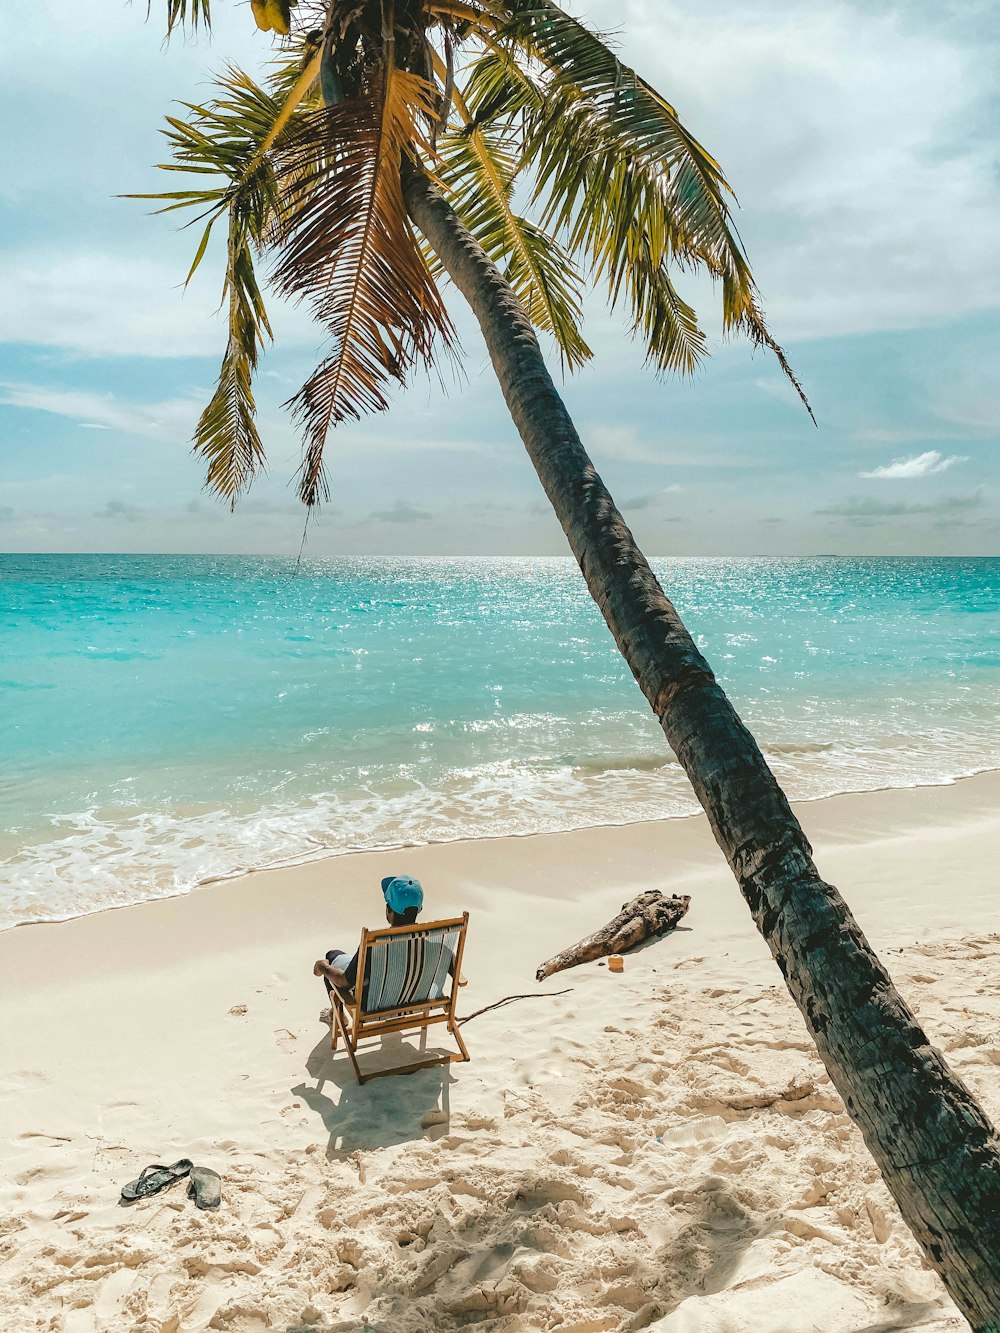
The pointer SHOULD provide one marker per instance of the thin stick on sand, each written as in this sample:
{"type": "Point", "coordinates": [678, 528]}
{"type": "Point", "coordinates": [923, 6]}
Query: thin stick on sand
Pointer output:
{"type": "Point", "coordinates": [509, 999]}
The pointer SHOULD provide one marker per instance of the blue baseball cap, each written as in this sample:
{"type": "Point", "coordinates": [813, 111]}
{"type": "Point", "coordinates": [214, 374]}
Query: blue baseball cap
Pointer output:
{"type": "Point", "coordinates": [402, 892]}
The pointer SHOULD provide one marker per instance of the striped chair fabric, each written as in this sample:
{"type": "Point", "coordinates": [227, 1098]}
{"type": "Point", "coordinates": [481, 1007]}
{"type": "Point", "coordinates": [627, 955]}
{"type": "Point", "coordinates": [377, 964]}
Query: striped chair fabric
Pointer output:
{"type": "Point", "coordinates": [407, 969]}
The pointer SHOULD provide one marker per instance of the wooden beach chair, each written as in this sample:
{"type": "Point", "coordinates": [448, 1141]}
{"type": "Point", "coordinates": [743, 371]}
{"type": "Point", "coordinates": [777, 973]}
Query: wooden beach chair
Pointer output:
{"type": "Point", "coordinates": [408, 979]}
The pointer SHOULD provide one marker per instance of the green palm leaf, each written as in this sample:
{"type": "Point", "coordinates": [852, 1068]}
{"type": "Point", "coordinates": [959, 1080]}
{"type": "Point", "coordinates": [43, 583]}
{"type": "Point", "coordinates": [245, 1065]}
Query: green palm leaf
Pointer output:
{"type": "Point", "coordinates": [619, 174]}
{"type": "Point", "coordinates": [226, 433]}
{"type": "Point", "coordinates": [180, 13]}
{"type": "Point", "coordinates": [498, 88]}
{"type": "Point", "coordinates": [663, 319]}
{"type": "Point", "coordinates": [478, 170]}
{"type": "Point", "coordinates": [227, 139]}
{"type": "Point", "coordinates": [640, 121]}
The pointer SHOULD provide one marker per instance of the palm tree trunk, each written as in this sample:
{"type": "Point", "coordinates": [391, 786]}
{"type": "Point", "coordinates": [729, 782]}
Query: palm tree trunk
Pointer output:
{"type": "Point", "coordinates": [936, 1149]}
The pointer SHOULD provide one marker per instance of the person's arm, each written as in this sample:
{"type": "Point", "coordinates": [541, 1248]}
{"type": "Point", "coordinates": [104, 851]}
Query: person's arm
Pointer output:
{"type": "Point", "coordinates": [335, 975]}
{"type": "Point", "coordinates": [343, 978]}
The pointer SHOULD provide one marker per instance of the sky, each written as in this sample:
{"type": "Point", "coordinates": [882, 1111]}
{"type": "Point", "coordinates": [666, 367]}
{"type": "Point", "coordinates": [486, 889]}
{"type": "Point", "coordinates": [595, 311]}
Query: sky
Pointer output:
{"type": "Point", "coordinates": [861, 140]}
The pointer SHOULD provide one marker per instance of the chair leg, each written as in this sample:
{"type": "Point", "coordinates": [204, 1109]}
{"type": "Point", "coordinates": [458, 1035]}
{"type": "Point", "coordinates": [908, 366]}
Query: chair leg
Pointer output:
{"type": "Point", "coordinates": [350, 1051]}
{"type": "Point", "coordinates": [341, 1023]}
{"type": "Point", "coordinates": [461, 1044]}
{"type": "Point", "coordinates": [334, 1021]}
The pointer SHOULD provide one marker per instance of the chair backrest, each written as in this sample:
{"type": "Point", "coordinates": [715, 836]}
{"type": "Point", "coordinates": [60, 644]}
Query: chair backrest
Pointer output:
{"type": "Point", "coordinates": [409, 966]}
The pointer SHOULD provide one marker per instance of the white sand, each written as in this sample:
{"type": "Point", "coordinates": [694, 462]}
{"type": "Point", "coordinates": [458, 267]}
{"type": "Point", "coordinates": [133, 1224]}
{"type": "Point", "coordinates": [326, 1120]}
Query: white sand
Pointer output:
{"type": "Point", "coordinates": [658, 1150]}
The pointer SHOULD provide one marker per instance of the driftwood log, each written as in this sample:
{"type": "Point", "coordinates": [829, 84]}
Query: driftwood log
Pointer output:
{"type": "Point", "coordinates": [644, 918]}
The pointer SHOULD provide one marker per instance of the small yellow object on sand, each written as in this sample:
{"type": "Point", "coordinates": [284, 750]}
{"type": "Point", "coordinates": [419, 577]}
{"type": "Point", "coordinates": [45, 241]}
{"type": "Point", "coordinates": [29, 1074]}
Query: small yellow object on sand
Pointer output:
{"type": "Point", "coordinates": [616, 963]}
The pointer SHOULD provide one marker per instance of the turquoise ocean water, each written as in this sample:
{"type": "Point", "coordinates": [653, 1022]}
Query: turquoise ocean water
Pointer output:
{"type": "Point", "coordinates": [167, 720]}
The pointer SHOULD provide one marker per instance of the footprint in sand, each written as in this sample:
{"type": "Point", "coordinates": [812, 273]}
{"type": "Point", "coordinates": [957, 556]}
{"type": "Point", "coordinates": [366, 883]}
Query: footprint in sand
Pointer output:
{"type": "Point", "coordinates": [80, 1320]}
{"type": "Point", "coordinates": [285, 1040]}
{"type": "Point", "coordinates": [111, 1297]}
{"type": "Point", "coordinates": [200, 1313]}
{"type": "Point", "coordinates": [23, 1078]}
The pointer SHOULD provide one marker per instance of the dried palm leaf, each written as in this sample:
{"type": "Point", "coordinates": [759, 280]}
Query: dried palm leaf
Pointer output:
{"type": "Point", "coordinates": [349, 250]}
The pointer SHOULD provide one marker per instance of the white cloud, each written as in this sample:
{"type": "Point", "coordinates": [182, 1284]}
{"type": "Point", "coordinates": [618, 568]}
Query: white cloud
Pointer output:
{"type": "Point", "coordinates": [967, 397]}
{"type": "Point", "coordinates": [855, 143]}
{"type": "Point", "coordinates": [621, 442]}
{"type": "Point", "coordinates": [400, 512]}
{"type": "Point", "coordinates": [626, 444]}
{"type": "Point", "coordinates": [921, 465]}
{"type": "Point", "coordinates": [948, 508]}
{"type": "Point", "coordinates": [170, 420]}
{"type": "Point", "coordinates": [102, 304]}
{"type": "Point", "coordinates": [105, 305]}
{"type": "Point", "coordinates": [122, 511]}
{"type": "Point", "coordinates": [893, 434]}
{"type": "Point", "coordinates": [651, 499]}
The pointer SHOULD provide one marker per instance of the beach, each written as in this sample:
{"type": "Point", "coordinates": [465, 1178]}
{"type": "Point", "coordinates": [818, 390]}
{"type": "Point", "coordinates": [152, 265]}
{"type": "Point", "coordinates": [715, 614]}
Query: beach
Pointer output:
{"type": "Point", "coordinates": [658, 1149]}
{"type": "Point", "coordinates": [297, 640]}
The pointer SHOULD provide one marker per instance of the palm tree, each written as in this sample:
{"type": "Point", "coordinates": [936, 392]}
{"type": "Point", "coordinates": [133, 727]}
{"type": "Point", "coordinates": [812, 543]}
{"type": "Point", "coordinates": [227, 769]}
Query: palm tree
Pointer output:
{"type": "Point", "coordinates": [394, 141]}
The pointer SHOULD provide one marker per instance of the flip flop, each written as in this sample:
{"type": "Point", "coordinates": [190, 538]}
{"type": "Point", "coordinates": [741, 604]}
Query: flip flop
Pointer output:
{"type": "Point", "coordinates": [205, 1187]}
{"type": "Point", "coordinates": [153, 1179]}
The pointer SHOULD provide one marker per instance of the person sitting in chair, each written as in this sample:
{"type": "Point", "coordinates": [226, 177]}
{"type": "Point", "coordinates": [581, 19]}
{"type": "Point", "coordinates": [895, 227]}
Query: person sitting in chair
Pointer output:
{"type": "Point", "coordinates": [404, 899]}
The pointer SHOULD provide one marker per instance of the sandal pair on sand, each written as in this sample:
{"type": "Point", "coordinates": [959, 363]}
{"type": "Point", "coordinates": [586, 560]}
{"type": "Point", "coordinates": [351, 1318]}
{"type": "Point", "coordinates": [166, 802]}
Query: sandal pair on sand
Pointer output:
{"type": "Point", "coordinates": [205, 1185]}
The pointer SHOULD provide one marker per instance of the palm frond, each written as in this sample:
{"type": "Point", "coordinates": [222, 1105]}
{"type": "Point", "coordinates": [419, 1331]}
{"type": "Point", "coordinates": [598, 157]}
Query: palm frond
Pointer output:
{"type": "Point", "coordinates": [617, 217]}
{"type": "Point", "coordinates": [663, 319]}
{"type": "Point", "coordinates": [498, 87]}
{"type": "Point", "coordinates": [181, 13]}
{"type": "Point", "coordinates": [478, 170]}
{"type": "Point", "coordinates": [645, 124]}
{"type": "Point", "coordinates": [557, 157]}
{"type": "Point", "coordinates": [227, 139]}
{"type": "Point", "coordinates": [760, 336]}
{"type": "Point", "coordinates": [349, 251]}
{"type": "Point", "coordinates": [625, 181]}
{"type": "Point", "coordinates": [226, 433]}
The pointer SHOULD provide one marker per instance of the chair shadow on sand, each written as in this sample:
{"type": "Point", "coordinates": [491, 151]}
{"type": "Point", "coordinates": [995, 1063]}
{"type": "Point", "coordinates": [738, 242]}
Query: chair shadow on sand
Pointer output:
{"type": "Point", "coordinates": [386, 1111]}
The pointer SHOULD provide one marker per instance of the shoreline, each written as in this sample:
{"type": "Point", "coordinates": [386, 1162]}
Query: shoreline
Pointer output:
{"type": "Point", "coordinates": [664, 1141]}
{"type": "Point", "coordinates": [402, 848]}
{"type": "Point", "coordinates": [829, 822]}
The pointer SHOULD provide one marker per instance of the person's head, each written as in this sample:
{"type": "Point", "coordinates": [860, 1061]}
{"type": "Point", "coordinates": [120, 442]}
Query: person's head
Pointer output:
{"type": "Point", "coordinates": [403, 899]}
